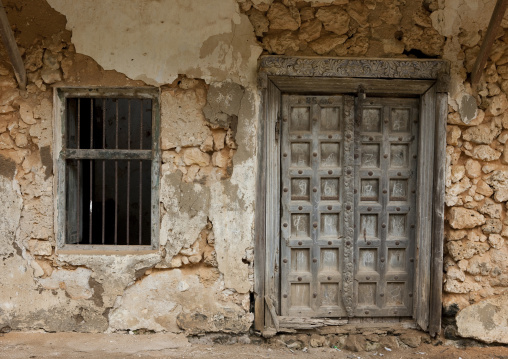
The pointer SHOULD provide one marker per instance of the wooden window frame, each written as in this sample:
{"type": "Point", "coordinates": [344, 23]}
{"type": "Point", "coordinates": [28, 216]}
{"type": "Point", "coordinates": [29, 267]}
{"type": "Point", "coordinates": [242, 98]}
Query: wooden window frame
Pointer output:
{"type": "Point", "coordinates": [426, 79]}
{"type": "Point", "coordinates": [60, 96]}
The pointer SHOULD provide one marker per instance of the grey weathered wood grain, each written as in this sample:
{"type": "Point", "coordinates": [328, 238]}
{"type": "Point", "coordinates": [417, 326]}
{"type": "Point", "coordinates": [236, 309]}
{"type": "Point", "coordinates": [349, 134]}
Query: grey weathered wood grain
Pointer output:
{"type": "Point", "coordinates": [273, 313]}
{"type": "Point", "coordinates": [309, 85]}
{"type": "Point", "coordinates": [105, 92]}
{"type": "Point", "coordinates": [376, 83]}
{"type": "Point", "coordinates": [272, 218]}
{"type": "Point", "coordinates": [260, 219]}
{"type": "Point", "coordinates": [309, 323]}
{"type": "Point", "coordinates": [424, 205]}
{"type": "Point", "coordinates": [107, 154]}
{"type": "Point", "coordinates": [311, 280]}
{"type": "Point", "coordinates": [390, 288]}
{"type": "Point", "coordinates": [155, 175]}
{"type": "Point", "coordinates": [438, 215]}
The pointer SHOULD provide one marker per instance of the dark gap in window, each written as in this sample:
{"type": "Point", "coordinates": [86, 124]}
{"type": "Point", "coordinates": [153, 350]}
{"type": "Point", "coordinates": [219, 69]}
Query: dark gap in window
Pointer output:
{"type": "Point", "coordinates": [96, 198]}
{"type": "Point", "coordinates": [104, 119]}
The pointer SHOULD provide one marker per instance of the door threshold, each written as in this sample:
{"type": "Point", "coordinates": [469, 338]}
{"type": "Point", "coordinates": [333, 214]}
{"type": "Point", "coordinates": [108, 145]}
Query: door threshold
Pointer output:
{"type": "Point", "coordinates": [288, 325]}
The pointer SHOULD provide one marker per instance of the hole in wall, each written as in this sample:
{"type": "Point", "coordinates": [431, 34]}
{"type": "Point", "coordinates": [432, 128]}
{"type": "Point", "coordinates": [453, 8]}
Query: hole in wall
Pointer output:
{"type": "Point", "coordinates": [252, 300]}
{"type": "Point", "coordinates": [414, 53]}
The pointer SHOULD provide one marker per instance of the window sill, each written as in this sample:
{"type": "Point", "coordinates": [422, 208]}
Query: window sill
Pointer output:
{"type": "Point", "coordinates": [105, 250]}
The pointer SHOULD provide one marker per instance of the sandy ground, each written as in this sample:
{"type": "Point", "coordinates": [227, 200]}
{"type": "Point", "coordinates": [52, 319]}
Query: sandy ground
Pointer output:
{"type": "Point", "coordinates": [16, 345]}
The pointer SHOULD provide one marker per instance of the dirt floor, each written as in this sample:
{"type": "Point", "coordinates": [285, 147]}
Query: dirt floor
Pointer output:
{"type": "Point", "coordinates": [16, 345]}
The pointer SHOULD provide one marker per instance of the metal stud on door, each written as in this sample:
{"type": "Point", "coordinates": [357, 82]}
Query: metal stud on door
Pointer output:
{"type": "Point", "coordinates": [316, 204]}
{"type": "Point", "coordinates": [385, 206]}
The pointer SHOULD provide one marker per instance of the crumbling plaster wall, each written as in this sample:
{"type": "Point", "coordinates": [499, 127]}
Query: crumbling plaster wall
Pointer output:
{"type": "Point", "coordinates": [200, 279]}
{"type": "Point", "coordinates": [154, 41]}
{"type": "Point", "coordinates": [209, 112]}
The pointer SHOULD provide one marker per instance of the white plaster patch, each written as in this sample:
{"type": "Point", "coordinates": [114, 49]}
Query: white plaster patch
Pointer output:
{"type": "Point", "coordinates": [233, 225]}
{"type": "Point", "coordinates": [183, 286]}
{"type": "Point", "coordinates": [453, 17]}
{"type": "Point", "coordinates": [10, 213]}
{"type": "Point", "coordinates": [74, 282]}
{"type": "Point", "coordinates": [185, 213]}
{"type": "Point", "coordinates": [182, 121]}
{"type": "Point", "coordinates": [114, 273]}
{"type": "Point", "coordinates": [163, 300]}
{"type": "Point", "coordinates": [155, 40]}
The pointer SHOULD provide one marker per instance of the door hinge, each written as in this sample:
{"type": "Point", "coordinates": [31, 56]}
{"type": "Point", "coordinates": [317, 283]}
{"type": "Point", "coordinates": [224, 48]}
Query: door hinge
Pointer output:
{"type": "Point", "coordinates": [277, 128]}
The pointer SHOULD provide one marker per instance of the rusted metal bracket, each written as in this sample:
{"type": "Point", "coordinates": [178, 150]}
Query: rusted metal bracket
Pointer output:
{"type": "Point", "coordinates": [12, 48]}
{"type": "Point", "coordinates": [488, 40]}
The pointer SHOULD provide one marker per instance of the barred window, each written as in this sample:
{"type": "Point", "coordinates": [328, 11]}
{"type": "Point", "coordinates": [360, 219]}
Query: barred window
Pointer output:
{"type": "Point", "coordinates": [109, 167]}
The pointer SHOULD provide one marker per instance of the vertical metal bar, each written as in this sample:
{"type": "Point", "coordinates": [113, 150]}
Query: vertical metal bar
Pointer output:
{"type": "Point", "coordinates": [103, 168]}
{"type": "Point", "coordinates": [128, 163]}
{"type": "Point", "coordinates": [91, 179]}
{"type": "Point", "coordinates": [140, 172]}
{"type": "Point", "coordinates": [116, 175]}
{"type": "Point", "coordinates": [78, 212]}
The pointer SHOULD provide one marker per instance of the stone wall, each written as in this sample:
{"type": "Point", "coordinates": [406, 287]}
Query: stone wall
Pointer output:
{"type": "Point", "coordinates": [345, 28]}
{"type": "Point", "coordinates": [200, 280]}
{"type": "Point", "coordinates": [476, 259]}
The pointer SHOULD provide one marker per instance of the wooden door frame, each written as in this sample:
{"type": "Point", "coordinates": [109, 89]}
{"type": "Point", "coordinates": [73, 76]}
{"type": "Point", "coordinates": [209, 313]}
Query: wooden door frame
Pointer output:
{"type": "Point", "coordinates": [427, 79]}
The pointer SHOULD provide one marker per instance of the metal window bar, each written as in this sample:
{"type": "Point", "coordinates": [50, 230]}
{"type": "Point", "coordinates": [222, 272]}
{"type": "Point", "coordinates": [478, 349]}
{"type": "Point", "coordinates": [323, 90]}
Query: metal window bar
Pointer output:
{"type": "Point", "coordinates": [103, 170]}
{"type": "Point", "coordinates": [91, 177]}
{"type": "Point", "coordinates": [78, 212]}
{"type": "Point", "coordinates": [78, 154]}
{"type": "Point", "coordinates": [128, 164]}
{"type": "Point", "coordinates": [140, 174]}
{"type": "Point", "coordinates": [116, 174]}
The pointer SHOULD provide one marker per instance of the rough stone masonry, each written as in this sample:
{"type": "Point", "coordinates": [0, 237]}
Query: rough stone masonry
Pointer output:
{"type": "Point", "coordinates": [203, 58]}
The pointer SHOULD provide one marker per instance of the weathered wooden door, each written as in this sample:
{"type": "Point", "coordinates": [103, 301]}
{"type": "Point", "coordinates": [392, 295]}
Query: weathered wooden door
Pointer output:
{"type": "Point", "coordinates": [347, 206]}
{"type": "Point", "coordinates": [385, 206]}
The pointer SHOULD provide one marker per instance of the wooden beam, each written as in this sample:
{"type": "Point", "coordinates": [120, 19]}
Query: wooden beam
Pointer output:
{"type": "Point", "coordinates": [260, 221]}
{"type": "Point", "coordinates": [95, 154]}
{"type": "Point", "coordinates": [12, 48]}
{"type": "Point", "coordinates": [309, 323]}
{"type": "Point", "coordinates": [436, 276]}
{"type": "Point", "coordinates": [488, 40]}
{"type": "Point", "coordinates": [273, 313]}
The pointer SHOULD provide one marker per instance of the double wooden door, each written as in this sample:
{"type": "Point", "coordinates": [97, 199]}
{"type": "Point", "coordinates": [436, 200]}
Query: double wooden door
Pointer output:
{"type": "Point", "coordinates": [348, 213]}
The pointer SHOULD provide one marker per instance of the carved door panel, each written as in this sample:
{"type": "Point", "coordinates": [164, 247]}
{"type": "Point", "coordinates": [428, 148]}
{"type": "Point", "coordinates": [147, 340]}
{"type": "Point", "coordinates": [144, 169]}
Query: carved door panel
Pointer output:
{"type": "Point", "coordinates": [385, 206]}
{"type": "Point", "coordinates": [347, 206]}
{"type": "Point", "coordinates": [316, 204]}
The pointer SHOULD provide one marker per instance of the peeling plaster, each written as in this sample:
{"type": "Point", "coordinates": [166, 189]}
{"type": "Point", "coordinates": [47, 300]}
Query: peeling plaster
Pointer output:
{"type": "Point", "coordinates": [75, 283]}
{"type": "Point", "coordinates": [454, 18]}
{"type": "Point", "coordinates": [155, 40]}
{"type": "Point", "coordinates": [114, 273]}
{"type": "Point", "coordinates": [44, 288]}
{"type": "Point", "coordinates": [186, 206]}
{"type": "Point", "coordinates": [233, 224]}
{"type": "Point", "coordinates": [232, 204]}
{"type": "Point", "coordinates": [10, 213]}
{"type": "Point", "coordinates": [166, 295]}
